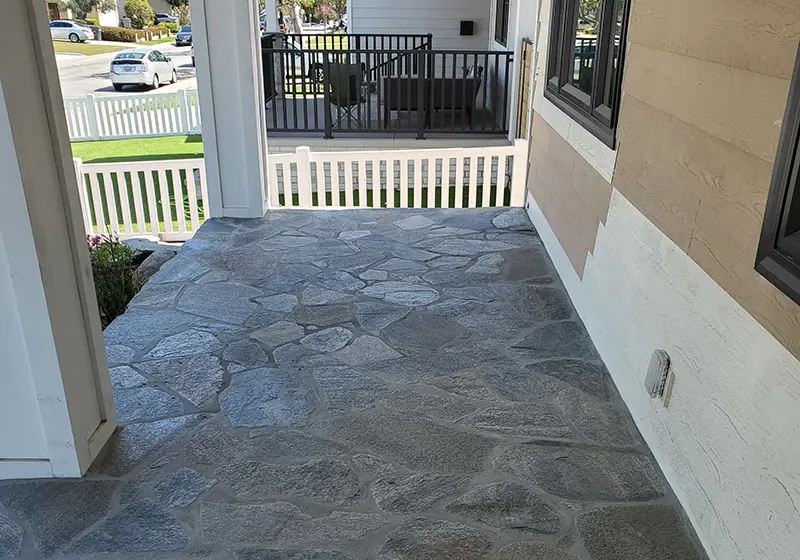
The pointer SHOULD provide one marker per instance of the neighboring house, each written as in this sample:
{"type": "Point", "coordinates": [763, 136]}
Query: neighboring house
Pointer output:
{"type": "Point", "coordinates": [159, 6]}
{"type": "Point", "coordinates": [55, 11]}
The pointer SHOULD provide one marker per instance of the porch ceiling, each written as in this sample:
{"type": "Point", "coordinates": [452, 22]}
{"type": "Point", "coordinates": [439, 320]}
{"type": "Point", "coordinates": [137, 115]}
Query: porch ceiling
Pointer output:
{"type": "Point", "coordinates": [361, 384]}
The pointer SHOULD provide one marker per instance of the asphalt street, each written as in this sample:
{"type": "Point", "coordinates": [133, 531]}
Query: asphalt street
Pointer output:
{"type": "Point", "coordinates": [82, 75]}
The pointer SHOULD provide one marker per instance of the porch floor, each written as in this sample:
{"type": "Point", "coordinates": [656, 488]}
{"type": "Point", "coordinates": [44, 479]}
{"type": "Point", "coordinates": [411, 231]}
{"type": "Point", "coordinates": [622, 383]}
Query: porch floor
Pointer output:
{"type": "Point", "coordinates": [365, 384]}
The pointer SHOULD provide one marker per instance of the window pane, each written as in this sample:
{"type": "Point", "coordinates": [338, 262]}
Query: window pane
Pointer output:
{"type": "Point", "coordinates": [611, 88]}
{"type": "Point", "coordinates": [588, 23]}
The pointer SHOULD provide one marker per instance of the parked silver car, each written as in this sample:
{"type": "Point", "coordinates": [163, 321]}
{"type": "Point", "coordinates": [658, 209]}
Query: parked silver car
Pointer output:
{"type": "Point", "coordinates": [69, 30]}
{"type": "Point", "coordinates": [142, 67]}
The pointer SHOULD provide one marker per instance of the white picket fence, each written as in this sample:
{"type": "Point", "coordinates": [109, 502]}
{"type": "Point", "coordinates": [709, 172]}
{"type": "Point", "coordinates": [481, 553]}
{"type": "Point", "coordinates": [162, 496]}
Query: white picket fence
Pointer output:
{"type": "Point", "coordinates": [442, 178]}
{"type": "Point", "coordinates": [131, 116]}
{"type": "Point", "coordinates": [167, 199]}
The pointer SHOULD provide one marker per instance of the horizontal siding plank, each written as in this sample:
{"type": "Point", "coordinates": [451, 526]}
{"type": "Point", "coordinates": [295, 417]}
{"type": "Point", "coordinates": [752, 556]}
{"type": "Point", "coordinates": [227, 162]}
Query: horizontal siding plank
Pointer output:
{"type": "Point", "coordinates": [760, 36]}
{"type": "Point", "coordinates": [741, 107]}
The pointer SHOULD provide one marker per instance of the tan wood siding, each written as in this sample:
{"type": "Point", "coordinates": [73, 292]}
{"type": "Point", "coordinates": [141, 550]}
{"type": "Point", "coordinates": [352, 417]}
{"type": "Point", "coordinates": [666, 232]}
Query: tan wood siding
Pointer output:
{"type": "Point", "coordinates": [571, 194]}
{"type": "Point", "coordinates": [705, 89]}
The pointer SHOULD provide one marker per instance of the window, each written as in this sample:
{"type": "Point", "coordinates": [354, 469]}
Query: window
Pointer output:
{"type": "Point", "coordinates": [501, 21]}
{"type": "Point", "coordinates": [778, 255]}
{"type": "Point", "coordinates": [584, 67]}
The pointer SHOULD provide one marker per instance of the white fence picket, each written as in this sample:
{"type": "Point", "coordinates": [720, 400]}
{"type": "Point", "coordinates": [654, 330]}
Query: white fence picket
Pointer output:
{"type": "Point", "coordinates": [122, 183]}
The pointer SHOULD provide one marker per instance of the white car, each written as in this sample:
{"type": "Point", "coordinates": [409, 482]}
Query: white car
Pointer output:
{"type": "Point", "coordinates": [142, 67]}
{"type": "Point", "coordinates": [63, 29]}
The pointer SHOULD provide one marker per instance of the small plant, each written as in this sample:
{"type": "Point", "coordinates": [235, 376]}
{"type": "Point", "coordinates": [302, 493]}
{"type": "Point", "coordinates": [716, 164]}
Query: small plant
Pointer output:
{"type": "Point", "coordinates": [140, 13]}
{"type": "Point", "coordinates": [116, 279]}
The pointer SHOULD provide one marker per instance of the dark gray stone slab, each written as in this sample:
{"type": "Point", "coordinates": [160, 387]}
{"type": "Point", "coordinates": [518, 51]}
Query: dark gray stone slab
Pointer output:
{"type": "Point", "coordinates": [567, 339]}
{"type": "Point", "coordinates": [285, 242]}
{"type": "Point", "coordinates": [182, 488]}
{"type": "Point", "coordinates": [278, 334]}
{"type": "Point", "coordinates": [415, 493]}
{"type": "Point", "coordinates": [365, 350]}
{"type": "Point", "coordinates": [282, 523]}
{"type": "Point", "coordinates": [372, 275]}
{"type": "Point", "coordinates": [279, 302]}
{"type": "Point", "coordinates": [409, 253]}
{"type": "Point", "coordinates": [402, 265]}
{"type": "Point", "coordinates": [416, 366]}
{"type": "Point", "coordinates": [145, 403]}
{"type": "Point", "coordinates": [291, 443]}
{"type": "Point", "coordinates": [513, 219]}
{"type": "Point", "coordinates": [589, 378]}
{"type": "Point", "coordinates": [42, 505]}
{"type": "Point", "coordinates": [316, 295]}
{"type": "Point", "coordinates": [156, 295]}
{"type": "Point", "coordinates": [532, 419]}
{"type": "Point", "coordinates": [422, 330]}
{"type": "Point", "coordinates": [288, 278]}
{"type": "Point", "coordinates": [654, 532]}
{"type": "Point", "coordinates": [11, 536]}
{"type": "Point", "coordinates": [582, 473]}
{"type": "Point", "coordinates": [246, 353]}
{"type": "Point", "coordinates": [198, 379]}
{"type": "Point", "coordinates": [403, 293]}
{"type": "Point", "coordinates": [538, 303]}
{"type": "Point", "coordinates": [507, 505]}
{"type": "Point", "coordinates": [372, 464]}
{"type": "Point", "coordinates": [520, 384]}
{"type": "Point", "coordinates": [125, 377]}
{"type": "Point", "coordinates": [450, 277]}
{"type": "Point", "coordinates": [347, 390]}
{"type": "Point", "coordinates": [214, 444]}
{"type": "Point", "coordinates": [136, 442]}
{"type": "Point", "coordinates": [533, 551]}
{"type": "Point", "coordinates": [328, 481]}
{"type": "Point", "coordinates": [423, 538]}
{"type": "Point", "coordinates": [327, 340]}
{"type": "Point", "coordinates": [354, 234]}
{"type": "Point", "coordinates": [465, 385]}
{"type": "Point", "coordinates": [338, 281]}
{"type": "Point", "coordinates": [442, 407]}
{"type": "Point", "coordinates": [356, 262]}
{"type": "Point", "coordinates": [320, 251]}
{"type": "Point", "coordinates": [469, 247]}
{"type": "Point", "coordinates": [599, 422]}
{"type": "Point", "coordinates": [139, 328]}
{"type": "Point", "coordinates": [450, 262]}
{"type": "Point", "coordinates": [415, 442]}
{"type": "Point", "coordinates": [487, 264]}
{"type": "Point", "coordinates": [143, 526]}
{"type": "Point", "coordinates": [527, 263]}
{"type": "Point", "coordinates": [414, 222]}
{"type": "Point", "coordinates": [228, 301]}
{"type": "Point", "coordinates": [274, 554]}
{"type": "Point", "coordinates": [321, 315]}
{"type": "Point", "coordinates": [374, 317]}
{"type": "Point", "coordinates": [186, 343]}
{"type": "Point", "coordinates": [250, 262]}
{"type": "Point", "coordinates": [179, 269]}
{"type": "Point", "coordinates": [267, 397]}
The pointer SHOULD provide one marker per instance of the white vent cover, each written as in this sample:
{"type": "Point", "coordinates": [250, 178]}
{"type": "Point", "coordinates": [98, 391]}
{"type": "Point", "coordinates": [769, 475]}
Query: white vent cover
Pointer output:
{"type": "Point", "coordinates": [657, 373]}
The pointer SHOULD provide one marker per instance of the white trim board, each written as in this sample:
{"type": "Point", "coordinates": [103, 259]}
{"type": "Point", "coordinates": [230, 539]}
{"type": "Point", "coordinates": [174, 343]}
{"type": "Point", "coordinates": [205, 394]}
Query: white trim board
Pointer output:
{"type": "Point", "coordinates": [729, 443]}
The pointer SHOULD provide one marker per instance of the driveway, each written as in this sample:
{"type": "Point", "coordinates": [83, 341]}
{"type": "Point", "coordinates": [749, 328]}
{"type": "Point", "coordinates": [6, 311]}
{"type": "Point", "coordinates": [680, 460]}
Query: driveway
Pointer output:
{"type": "Point", "coordinates": [89, 74]}
{"type": "Point", "coordinates": [368, 384]}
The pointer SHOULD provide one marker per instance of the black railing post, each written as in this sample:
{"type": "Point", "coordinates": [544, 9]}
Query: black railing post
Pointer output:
{"type": "Point", "coordinates": [326, 88]}
{"type": "Point", "coordinates": [422, 109]}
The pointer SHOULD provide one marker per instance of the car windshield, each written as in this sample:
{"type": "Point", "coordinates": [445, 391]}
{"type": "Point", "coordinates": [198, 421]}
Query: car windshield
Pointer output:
{"type": "Point", "coordinates": [186, 29]}
{"type": "Point", "coordinates": [130, 56]}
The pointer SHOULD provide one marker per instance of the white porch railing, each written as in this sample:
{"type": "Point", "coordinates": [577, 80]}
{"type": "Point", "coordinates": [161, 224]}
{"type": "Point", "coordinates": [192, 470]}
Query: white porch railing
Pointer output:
{"type": "Point", "coordinates": [167, 199]}
{"type": "Point", "coordinates": [130, 116]}
{"type": "Point", "coordinates": [444, 178]}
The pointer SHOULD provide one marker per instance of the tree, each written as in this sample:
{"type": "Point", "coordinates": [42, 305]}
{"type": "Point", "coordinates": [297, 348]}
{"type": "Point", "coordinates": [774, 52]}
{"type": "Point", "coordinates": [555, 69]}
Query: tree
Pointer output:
{"type": "Point", "coordinates": [140, 13]}
{"type": "Point", "coordinates": [81, 8]}
{"type": "Point", "coordinates": [180, 9]}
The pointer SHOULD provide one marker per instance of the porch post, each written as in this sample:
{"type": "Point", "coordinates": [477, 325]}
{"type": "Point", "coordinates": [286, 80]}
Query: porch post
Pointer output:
{"type": "Point", "coordinates": [56, 403]}
{"type": "Point", "coordinates": [230, 83]}
{"type": "Point", "coordinates": [271, 15]}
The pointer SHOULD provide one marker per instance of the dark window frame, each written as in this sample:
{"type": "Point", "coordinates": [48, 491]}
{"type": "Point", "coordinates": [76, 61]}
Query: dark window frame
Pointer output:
{"type": "Point", "coordinates": [778, 255]}
{"type": "Point", "coordinates": [588, 110]}
{"type": "Point", "coordinates": [501, 15]}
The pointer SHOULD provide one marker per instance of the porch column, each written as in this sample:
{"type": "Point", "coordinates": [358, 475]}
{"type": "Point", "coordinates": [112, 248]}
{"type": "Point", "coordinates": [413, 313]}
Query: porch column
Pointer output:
{"type": "Point", "coordinates": [230, 82]}
{"type": "Point", "coordinates": [56, 404]}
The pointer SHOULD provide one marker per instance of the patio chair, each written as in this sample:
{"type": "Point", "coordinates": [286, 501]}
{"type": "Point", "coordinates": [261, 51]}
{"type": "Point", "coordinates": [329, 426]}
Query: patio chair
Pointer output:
{"type": "Point", "coordinates": [348, 90]}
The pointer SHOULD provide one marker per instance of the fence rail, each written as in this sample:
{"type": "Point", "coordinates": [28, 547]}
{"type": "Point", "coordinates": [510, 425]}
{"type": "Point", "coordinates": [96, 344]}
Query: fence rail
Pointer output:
{"type": "Point", "coordinates": [446, 178]}
{"type": "Point", "coordinates": [127, 116]}
{"type": "Point", "coordinates": [167, 199]}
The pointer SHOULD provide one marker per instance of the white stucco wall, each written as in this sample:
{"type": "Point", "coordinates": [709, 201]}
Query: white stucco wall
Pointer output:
{"type": "Point", "coordinates": [729, 442]}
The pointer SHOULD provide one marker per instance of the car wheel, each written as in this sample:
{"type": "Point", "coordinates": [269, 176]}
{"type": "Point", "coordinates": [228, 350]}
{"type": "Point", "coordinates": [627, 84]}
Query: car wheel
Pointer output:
{"type": "Point", "coordinates": [174, 76]}
{"type": "Point", "coordinates": [73, 37]}
{"type": "Point", "coordinates": [155, 81]}
{"type": "Point", "coordinates": [118, 87]}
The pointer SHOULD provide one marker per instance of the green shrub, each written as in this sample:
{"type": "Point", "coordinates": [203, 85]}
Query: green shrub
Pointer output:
{"type": "Point", "coordinates": [171, 27]}
{"type": "Point", "coordinates": [140, 12]}
{"type": "Point", "coordinates": [92, 21]}
{"type": "Point", "coordinates": [116, 279]}
{"type": "Point", "coordinates": [120, 34]}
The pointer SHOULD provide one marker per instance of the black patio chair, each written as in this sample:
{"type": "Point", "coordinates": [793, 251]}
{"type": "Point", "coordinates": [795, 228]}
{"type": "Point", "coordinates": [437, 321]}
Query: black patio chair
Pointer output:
{"type": "Point", "coordinates": [348, 90]}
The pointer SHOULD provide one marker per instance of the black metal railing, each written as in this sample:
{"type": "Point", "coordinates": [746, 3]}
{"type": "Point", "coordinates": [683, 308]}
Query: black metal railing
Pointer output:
{"type": "Point", "coordinates": [413, 90]}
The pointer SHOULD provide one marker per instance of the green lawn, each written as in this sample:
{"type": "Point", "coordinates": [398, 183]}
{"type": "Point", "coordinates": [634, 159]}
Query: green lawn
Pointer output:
{"type": "Point", "coordinates": [158, 41]}
{"type": "Point", "coordinates": [85, 48]}
{"type": "Point", "coordinates": [139, 149]}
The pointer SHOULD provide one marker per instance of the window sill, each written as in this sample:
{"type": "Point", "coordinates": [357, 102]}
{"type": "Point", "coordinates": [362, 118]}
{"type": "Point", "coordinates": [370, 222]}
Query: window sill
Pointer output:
{"type": "Point", "coordinates": [782, 272]}
{"type": "Point", "coordinates": [598, 130]}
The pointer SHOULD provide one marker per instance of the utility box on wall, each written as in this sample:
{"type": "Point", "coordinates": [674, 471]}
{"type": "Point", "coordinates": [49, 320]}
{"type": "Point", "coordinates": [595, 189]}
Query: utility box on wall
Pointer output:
{"type": "Point", "coordinates": [467, 28]}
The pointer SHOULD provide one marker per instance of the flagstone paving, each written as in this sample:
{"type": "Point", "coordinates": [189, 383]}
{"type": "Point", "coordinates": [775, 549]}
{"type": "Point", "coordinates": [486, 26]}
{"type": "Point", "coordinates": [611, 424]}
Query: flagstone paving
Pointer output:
{"type": "Point", "coordinates": [355, 385]}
